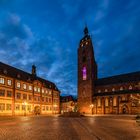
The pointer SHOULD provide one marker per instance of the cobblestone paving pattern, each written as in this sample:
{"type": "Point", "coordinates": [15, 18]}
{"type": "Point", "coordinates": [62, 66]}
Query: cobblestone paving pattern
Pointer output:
{"type": "Point", "coordinates": [59, 128]}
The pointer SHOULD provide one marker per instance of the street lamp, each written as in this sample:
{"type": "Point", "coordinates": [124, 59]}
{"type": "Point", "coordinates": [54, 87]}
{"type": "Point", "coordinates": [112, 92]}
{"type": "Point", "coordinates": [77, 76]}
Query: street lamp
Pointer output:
{"type": "Point", "coordinates": [91, 106]}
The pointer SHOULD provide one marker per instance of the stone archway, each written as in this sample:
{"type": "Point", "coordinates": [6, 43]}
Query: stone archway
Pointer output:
{"type": "Point", "coordinates": [125, 109]}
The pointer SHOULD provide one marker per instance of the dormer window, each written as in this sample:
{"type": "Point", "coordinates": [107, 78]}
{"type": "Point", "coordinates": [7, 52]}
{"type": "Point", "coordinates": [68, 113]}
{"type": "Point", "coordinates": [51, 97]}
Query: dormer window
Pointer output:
{"type": "Point", "coordinates": [86, 43]}
{"type": "Point", "coordinates": [5, 71]}
{"type": "Point", "coordinates": [18, 76]}
{"type": "Point", "coordinates": [130, 87]}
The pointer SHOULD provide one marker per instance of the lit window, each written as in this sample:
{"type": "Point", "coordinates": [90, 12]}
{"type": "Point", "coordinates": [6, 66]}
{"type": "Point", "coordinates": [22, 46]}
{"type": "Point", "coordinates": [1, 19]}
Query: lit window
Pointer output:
{"type": "Point", "coordinates": [18, 84]}
{"type": "Point", "coordinates": [42, 90]}
{"type": "Point", "coordinates": [84, 71]}
{"type": "Point", "coordinates": [9, 82]}
{"type": "Point", "coordinates": [38, 89]}
{"type": "Point", "coordinates": [86, 43]}
{"type": "Point", "coordinates": [114, 101]}
{"type": "Point", "coordinates": [1, 80]}
{"type": "Point", "coordinates": [106, 90]}
{"type": "Point", "coordinates": [99, 91]}
{"type": "Point", "coordinates": [24, 86]}
{"type": "Point", "coordinates": [46, 91]}
{"type": "Point", "coordinates": [35, 89]}
{"type": "Point", "coordinates": [113, 89]}
{"type": "Point", "coordinates": [106, 101]}
{"type": "Point", "coordinates": [2, 106]}
{"type": "Point", "coordinates": [121, 88]}
{"type": "Point", "coordinates": [30, 87]}
{"type": "Point", "coordinates": [99, 102]}
{"type": "Point", "coordinates": [50, 92]}
{"type": "Point", "coordinates": [130, 87]}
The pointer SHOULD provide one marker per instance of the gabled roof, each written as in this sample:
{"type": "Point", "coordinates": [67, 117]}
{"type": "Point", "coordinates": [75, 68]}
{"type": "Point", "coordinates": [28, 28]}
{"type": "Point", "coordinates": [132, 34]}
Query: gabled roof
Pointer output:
{"type": "Point", "coordinates": [118, 79]}
{"type": "Point", "coordinates": [66, 98]}
{"type": "Point", "coordinates": [18, 74]}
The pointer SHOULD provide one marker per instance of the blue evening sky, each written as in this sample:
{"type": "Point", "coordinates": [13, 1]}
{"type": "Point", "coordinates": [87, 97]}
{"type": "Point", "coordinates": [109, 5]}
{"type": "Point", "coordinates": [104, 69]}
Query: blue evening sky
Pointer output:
{"type": "Point", "coordinates": [47, 33]}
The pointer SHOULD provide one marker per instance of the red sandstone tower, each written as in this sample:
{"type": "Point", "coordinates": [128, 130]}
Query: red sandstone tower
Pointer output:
{"type": "Point", "coordinates": [87, 73]}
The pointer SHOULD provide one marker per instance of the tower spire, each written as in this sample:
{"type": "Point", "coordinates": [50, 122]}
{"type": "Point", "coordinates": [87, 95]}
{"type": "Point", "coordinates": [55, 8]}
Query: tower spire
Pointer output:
{"type": "Point", "coordinates": [86, 30]}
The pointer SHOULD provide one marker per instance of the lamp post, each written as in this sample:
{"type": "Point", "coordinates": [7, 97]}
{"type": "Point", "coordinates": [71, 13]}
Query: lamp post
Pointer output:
{"type": "Point", "coordinates": [91, 106]}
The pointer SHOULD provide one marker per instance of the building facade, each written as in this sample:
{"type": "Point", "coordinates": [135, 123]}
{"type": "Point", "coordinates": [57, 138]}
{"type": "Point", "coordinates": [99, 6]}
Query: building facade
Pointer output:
{"type": "Point", "coordinates": [22, 93]}
{"type": "Point", "coordinates": [112, 95]}
{"type": "Point", "coordinates": [68, 104]}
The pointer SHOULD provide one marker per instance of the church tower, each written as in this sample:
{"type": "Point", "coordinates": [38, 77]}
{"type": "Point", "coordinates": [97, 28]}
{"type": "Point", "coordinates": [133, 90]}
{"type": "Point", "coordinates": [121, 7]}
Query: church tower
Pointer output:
{"type": "Point", "coordinates": [87, 73]}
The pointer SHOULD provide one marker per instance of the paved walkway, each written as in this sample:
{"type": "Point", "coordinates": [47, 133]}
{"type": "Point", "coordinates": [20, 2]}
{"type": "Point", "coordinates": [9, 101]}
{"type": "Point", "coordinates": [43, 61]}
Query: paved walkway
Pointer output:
{"type": "Point", "coordinates": [60, 128]}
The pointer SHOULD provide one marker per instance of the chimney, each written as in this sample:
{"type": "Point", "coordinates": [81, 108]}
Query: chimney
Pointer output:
{"type": "Point", "coordinates": [34, 70]}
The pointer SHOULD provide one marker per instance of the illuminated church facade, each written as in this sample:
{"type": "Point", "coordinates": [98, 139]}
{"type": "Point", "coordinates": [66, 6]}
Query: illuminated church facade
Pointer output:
{"type": "Point", "coordinates": [112, 95]}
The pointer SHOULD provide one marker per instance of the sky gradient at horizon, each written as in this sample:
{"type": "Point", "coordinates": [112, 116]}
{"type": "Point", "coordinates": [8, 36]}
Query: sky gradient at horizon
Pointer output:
{"type": "Point", "coordinates": [47, 33]}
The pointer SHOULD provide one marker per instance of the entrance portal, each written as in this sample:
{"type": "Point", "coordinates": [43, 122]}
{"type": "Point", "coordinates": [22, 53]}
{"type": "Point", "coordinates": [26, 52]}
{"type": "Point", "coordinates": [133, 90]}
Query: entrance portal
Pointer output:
{"type": "Point", "coordinates": [125, 109]}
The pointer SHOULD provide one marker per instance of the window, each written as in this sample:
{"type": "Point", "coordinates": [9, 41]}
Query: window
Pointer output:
{"type": "Point", "coordinates": [2, 93]}
{"type": "Point", "coordinates": [46, 91]}
{"type": "Point", "coordinates": [18, 96]}
{"type": "Point", "coordinates": [106, 90]}
{"type": "Point", "coordinates": [121, 88]}
{"type": "Point", "coordinates": [38, 98]}
{"type": "Point", "coordinates": [43, 108]}
{"type": "Point", "coordinates": [84, 72]}
{"type": "Point", "coordinates": [47, 100]}
{"type": "Point", "coordinates": [114, 101]}
{"type": "Point", "coordinates": [50, 92]}
{"type": "Point", "coordinates": [23, 107]}
{"type": "Point", "coordinates": [1, 80]}
{"type": "Point", "coordinates": [30, 87]}
{"type": "Point", "coordinates": [9, 93]}
{"type": "Point", "coordinates": [43, 99]}
{"type": "Point", "coordinates": [113, 89]}
{"type": "Point", "coordinates": [50, 100]}
{"type": "Point", "coordinates": [8, 106]}
{"type": "Point", "coordinates": [99, 91]}
{"type": "Point", "coordinates": [17, 107]}
{"type": "Point", "coordinates": [106, 101]}
{"type": "Point", "coordinates": [42, 90]}
{"type": "Point", "coordinates": [29, 107]}
{"type": "Point", "coordinates": [35, 89]}
{"type": "Point", "coordinates": [38, 89]}
{"type": "Point", "coordinates": [99, 102]}
{"type": "Point", "coordinates": [47, 108]}
{"type": "Point", "coordinates": [130, 87]}
{"type": "Point", "coordinates": [2, 106]}
{"type": "Point", "coordinates": [30, 97]}
{"type": "Point", "coordinates": [50, 108]}
{"type": "Point", "coordinates": [24, 96]}
{"type": "Point", "coordinates": [18, 84]}
{"type": "Point", "coordinates": [9, 82]}
{"type": "Point", "coordinates": [24, 86]}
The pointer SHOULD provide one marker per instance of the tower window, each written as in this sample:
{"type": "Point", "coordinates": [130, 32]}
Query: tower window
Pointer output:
{"type": "Point", "coordinates": [84, 59]}
{"type": "Point", "coordinates": [84, 71]}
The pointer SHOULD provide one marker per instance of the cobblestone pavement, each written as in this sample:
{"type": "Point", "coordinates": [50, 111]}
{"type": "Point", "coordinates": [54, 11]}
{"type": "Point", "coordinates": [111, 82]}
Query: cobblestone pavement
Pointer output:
{"type": "Point", "coordinates": [59, 128]}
